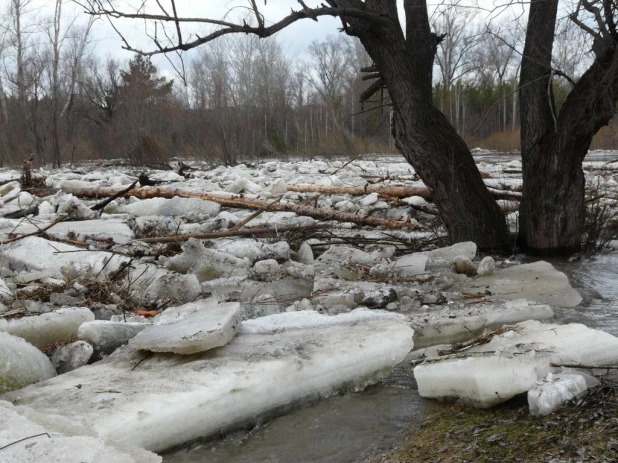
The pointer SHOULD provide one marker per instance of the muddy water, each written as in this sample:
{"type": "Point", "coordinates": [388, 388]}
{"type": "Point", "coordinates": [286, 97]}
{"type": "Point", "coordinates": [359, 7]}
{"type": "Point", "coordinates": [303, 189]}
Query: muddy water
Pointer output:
{"type": "Point", "coordinates": [596, 279]}
{"type": "Point", "coordinates": [340, 429]}
{"type": "Point", "coordinates": [353, 427]}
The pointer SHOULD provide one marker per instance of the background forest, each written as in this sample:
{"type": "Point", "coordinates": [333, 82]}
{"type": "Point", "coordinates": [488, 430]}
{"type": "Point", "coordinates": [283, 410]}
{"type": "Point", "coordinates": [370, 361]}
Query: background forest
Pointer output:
{"type": "Point", "coordinates": [242, 99]}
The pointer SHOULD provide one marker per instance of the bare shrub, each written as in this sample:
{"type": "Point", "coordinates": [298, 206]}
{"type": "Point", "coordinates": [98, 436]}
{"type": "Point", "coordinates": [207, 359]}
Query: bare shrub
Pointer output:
{"type": "Point", "coordinates": [500, 141]}
{"type": "Point", "coordinates": [148, 150]}
{"type": "Point", "coordinates": [601, 224]}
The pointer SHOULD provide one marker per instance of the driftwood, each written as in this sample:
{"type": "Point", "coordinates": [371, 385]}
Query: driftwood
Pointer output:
{"type": "Point", "coordinates": [241, 203]}
{"type": "Point", "coordinates": [392, 191]}
{"type": "Point", "coordinates": [505, 194]}
{"type": "Point", "coordinates": [225, 234]}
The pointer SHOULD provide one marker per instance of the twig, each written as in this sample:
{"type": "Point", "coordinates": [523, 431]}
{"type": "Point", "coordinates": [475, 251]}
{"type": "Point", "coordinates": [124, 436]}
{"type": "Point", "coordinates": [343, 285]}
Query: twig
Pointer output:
{"type": "Point", "coordinates": [346, 164]}
{"type": "Point", "coordinates": [585, 367]}
{"type": "Point", "coordinates": [148, 355]}
{"type": "Point", "coordinates": [38, 232]}
{"type": "Point", "coordinates": [25, 438]}
{"type": "Point", "coordinates": [122, 268]}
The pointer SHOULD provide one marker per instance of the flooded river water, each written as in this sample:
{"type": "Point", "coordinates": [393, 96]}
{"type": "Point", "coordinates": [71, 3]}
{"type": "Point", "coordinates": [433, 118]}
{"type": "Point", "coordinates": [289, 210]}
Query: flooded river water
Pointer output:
{"type": "Point", "coordinates": [353, 427]}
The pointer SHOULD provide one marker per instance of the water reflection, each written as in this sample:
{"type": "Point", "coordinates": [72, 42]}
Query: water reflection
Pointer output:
{"type": "Point", "coordinates": [340, 429]}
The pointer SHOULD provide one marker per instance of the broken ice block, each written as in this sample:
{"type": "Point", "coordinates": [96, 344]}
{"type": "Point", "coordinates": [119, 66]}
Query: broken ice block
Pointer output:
{"type": "Point", "coordinates": [549, 396]}
{"type": "Point", "coordinates": [49, 328]}
{"type": "Point", "coordinates": [21, 364]}
{"type": "Point", "coordinates": [204, 325]}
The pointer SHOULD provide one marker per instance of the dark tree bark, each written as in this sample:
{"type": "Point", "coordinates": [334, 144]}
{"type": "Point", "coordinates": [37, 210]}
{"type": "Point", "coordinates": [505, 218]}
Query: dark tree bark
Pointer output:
{"type": "Point", "coordinates": [422, 133]}
{"type": "Point", "coordinates": [552, 211]}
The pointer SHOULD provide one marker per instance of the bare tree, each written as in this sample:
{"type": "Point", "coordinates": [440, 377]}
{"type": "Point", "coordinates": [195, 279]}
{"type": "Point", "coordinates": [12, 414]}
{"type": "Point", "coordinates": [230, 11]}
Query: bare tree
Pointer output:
{"type": "Point", "coordinates": [454, 55]}
{"type": "Point", "coordinates": [330, 73]}
{"type": "Point", "coordinates": [496, 61]}
{"type": "Point", "coordinates": [101, 87]}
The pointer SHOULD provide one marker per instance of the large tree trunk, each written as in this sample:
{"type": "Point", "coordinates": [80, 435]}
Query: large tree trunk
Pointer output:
{"type": "Point", "coordinates": [553, 210]}
{"type": "Point", "coordinates": [422, 133]}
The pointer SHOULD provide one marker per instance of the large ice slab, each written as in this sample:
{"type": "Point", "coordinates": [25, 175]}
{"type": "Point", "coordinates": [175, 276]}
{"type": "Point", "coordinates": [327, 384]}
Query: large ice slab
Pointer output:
{"type": "Point", "coordinates": [49, 328]}
{"type": "Point", "coordinates": [46, 258]}
{"type": "Point", "coordinates": [160, 400]}
{"type": "Point", "coordinates": [512, 362]}
{"type": "Point", "coordinates": [482, 381]}
{"type": "Point", "coordinates": [21, 363]}
{"type": "Point", "coordinates": [539, 282]}
{"type": "Point", "coordinates": [41, 255]}
{"type": "Point", "coordinates": [31, 437]}
{"type": "Point", "coordinates": [198, 327]}
{"type": "Point", "coordinates": [172, 207]}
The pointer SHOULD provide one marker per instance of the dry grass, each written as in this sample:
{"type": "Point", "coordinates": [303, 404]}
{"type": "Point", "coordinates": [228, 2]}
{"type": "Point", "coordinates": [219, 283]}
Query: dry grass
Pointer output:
{"type": "Point", "coordinates": [585, 429]}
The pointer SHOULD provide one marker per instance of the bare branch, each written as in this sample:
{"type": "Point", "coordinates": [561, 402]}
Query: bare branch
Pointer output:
{"type": "Point", "coordinates": [97, 8]}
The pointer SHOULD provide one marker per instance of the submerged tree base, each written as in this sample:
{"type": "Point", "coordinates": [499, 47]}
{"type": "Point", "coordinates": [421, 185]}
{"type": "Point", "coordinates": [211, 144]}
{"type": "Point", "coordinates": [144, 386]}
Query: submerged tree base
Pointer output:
{"type": "Point", "coordinates": [585, 429]}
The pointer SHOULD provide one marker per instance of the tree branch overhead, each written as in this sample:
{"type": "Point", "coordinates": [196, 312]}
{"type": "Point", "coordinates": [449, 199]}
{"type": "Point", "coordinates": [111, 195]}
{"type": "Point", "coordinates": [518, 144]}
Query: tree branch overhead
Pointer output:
{"type": "Point", "coordinates": [105, 8]}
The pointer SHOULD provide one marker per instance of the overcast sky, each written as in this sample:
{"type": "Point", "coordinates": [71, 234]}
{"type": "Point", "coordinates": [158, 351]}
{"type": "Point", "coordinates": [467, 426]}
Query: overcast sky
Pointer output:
{"type": "Point", "coordinates": [294, 39]}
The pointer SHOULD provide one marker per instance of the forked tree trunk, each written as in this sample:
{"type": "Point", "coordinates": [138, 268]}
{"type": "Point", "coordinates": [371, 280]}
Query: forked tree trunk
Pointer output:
{"type": "Point", "coordinates": [422, 133]}
{"type": "Point", "coordinates": [553, 210]}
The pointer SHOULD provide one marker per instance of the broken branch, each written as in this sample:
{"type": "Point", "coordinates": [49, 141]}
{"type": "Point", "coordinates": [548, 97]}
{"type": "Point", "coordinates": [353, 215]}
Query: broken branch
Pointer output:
{"type": "Point", "coordinates": [102, 204]}
{"type": "Point", "coordinates": [38, 232]}
{"type": "Point", "coordinates": [224, 234]}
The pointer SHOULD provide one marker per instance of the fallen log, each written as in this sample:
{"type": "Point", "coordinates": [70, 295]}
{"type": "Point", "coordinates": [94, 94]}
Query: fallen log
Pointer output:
{"type": "Point", "coordinates": [241, 203]}
{"type": "Point", "coordinates": [505, 194]}
{"type": "Point", "coordinates": [393, 191]}
{"type": "Point", "coordinates": [230, 233]}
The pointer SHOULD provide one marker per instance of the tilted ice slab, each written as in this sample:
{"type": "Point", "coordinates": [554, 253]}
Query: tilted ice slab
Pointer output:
{"type": "Point", "coordinates": [41, 255]}
{"type": "Point", "coordinates": [512, 363]}
{"type": "Point", "coordinates": [49, 328]}
{"type": "Point", "coordinates": [52, 439]}
{"type": "Point", "coordinates": [161, 400]}
{"type": "Point", "coordinates": [21, 364]}
{"type": "Point", "coordinates": [115, 229]}
{"type": "Point", "coordinates": [466, 249]}
{"type": "Point", "coordinates": [449, 326]}
{"type": "Point", "coordinates": [200, 326]}
{"type": "Point", "coordinates": [539, 282]}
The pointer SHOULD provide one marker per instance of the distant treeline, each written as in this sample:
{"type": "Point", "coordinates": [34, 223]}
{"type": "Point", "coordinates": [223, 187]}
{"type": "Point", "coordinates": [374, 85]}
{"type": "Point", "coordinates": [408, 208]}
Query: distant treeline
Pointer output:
{"type": "Point", "coordinates": [242, 99]}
